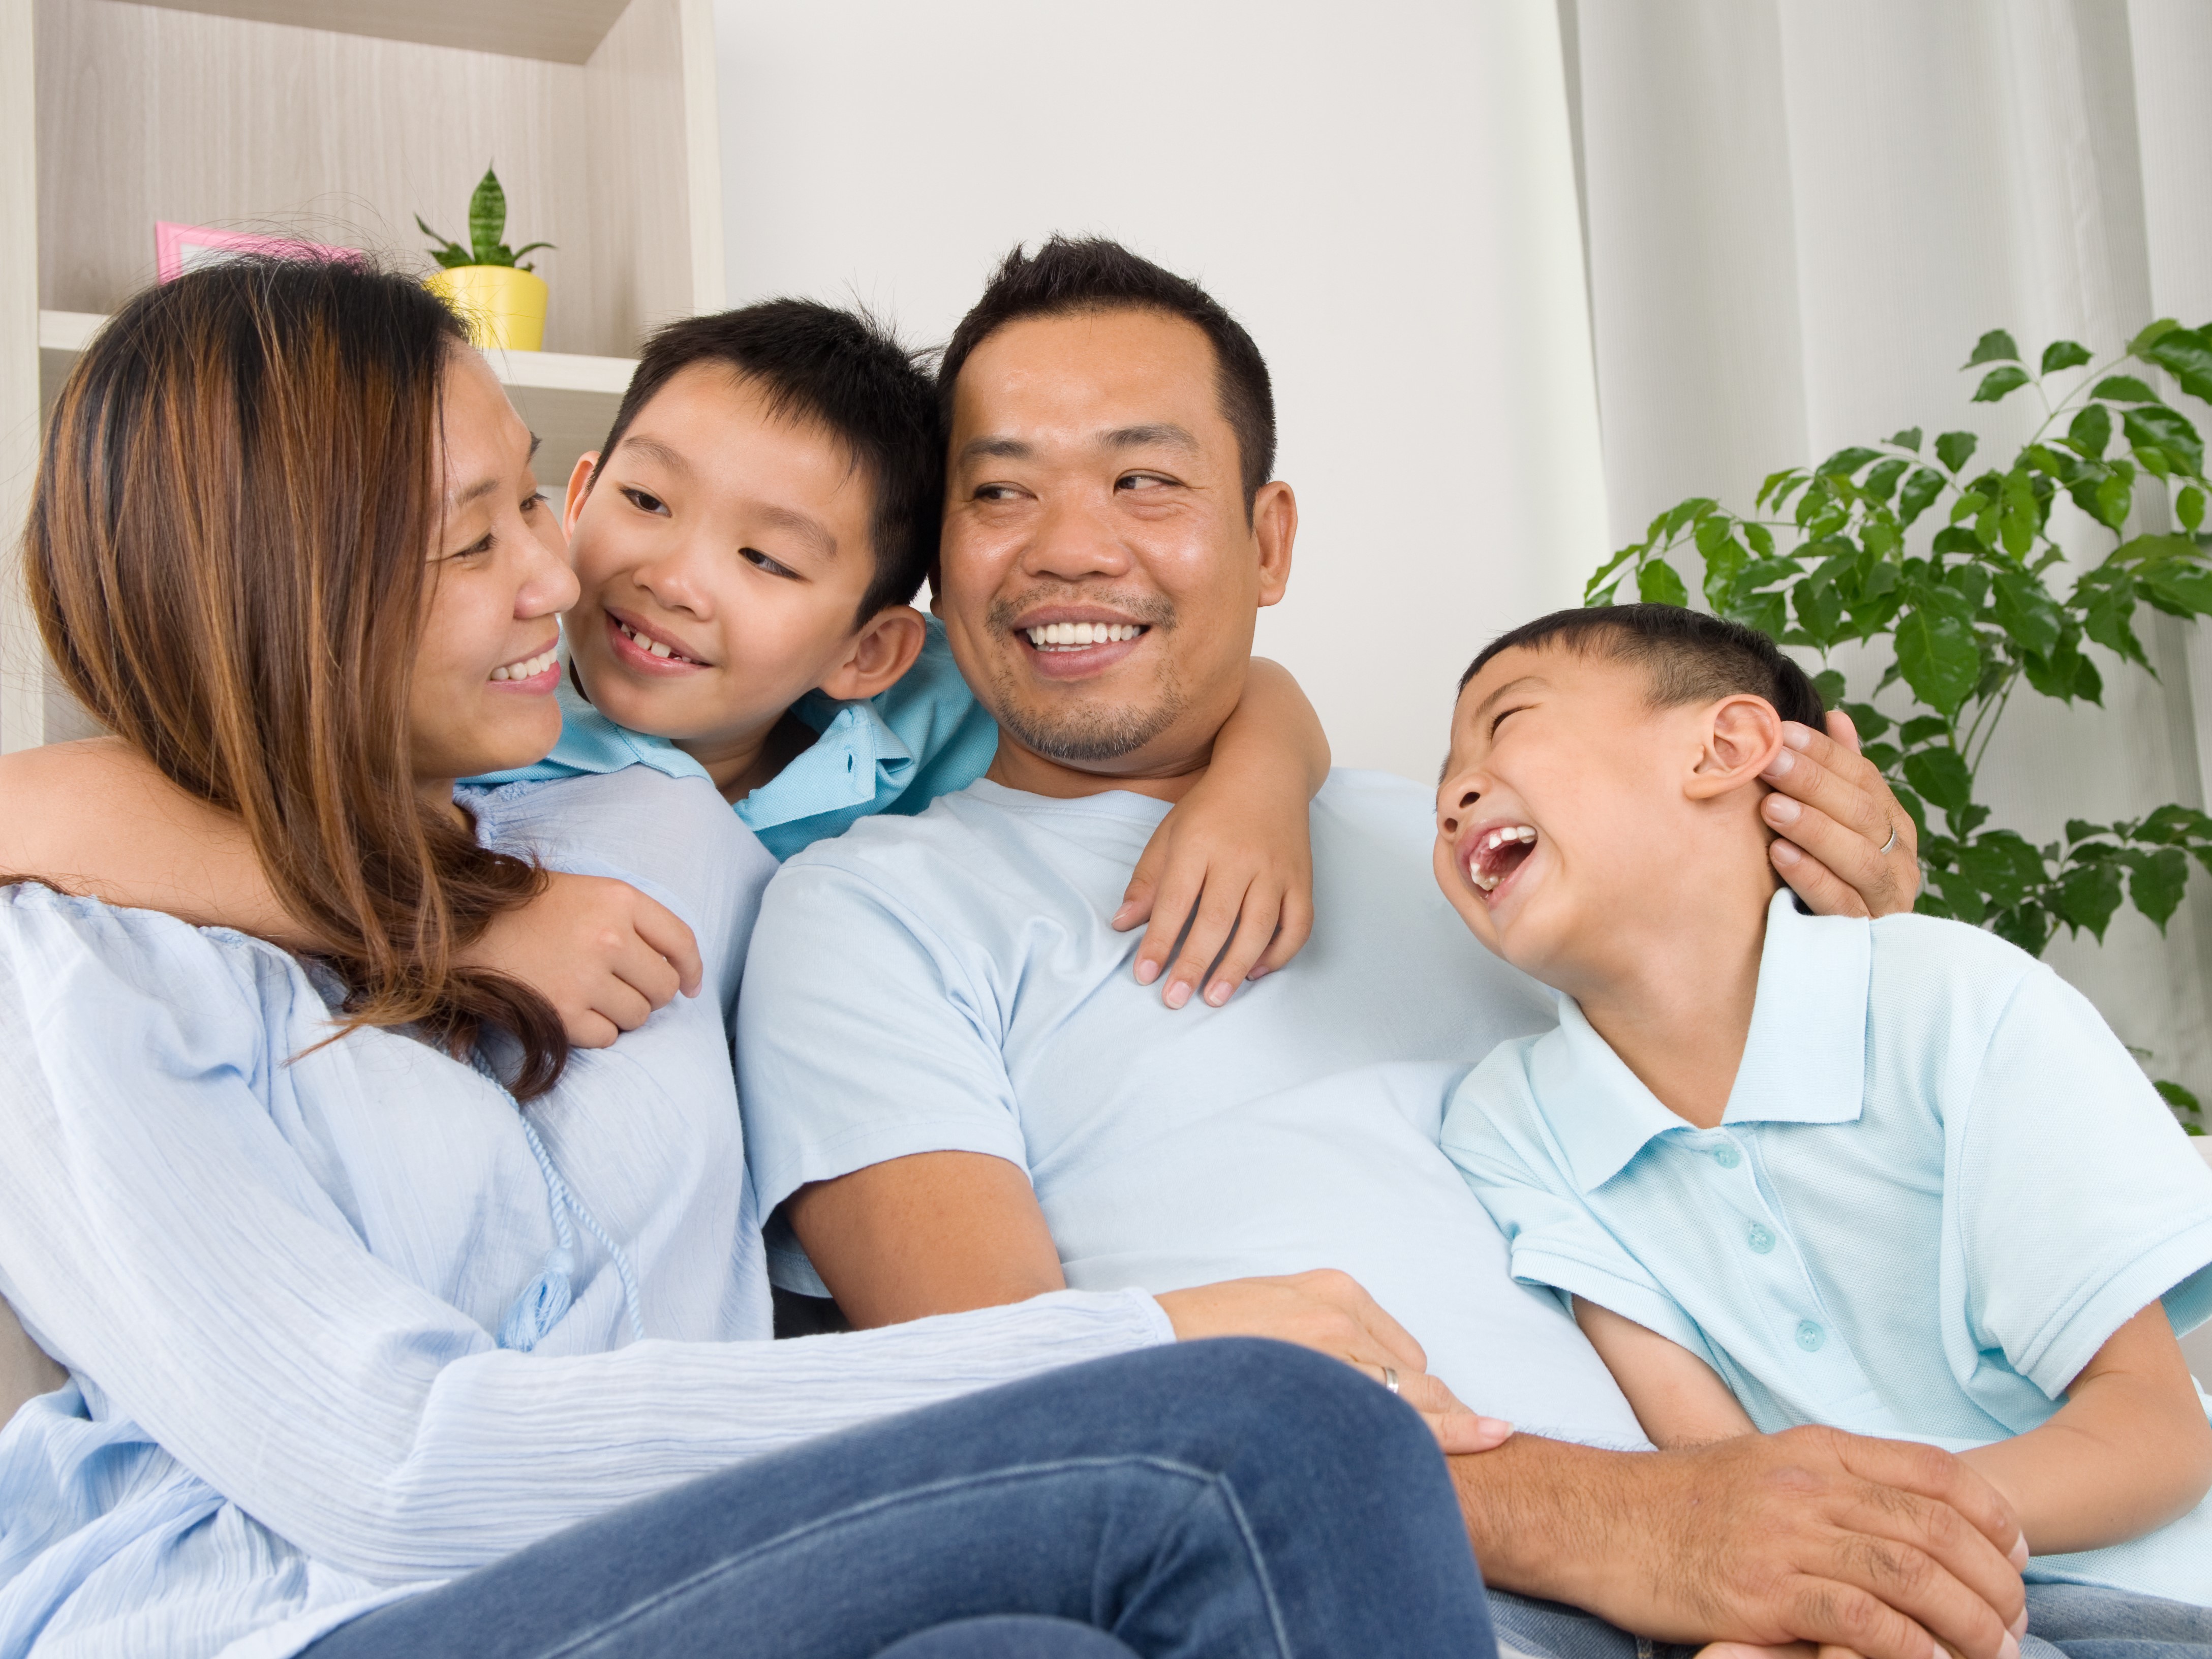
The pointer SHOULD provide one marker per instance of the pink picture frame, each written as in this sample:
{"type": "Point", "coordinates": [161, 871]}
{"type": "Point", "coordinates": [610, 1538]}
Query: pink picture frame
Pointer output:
{"type": "Point", "coordinates": [177, 248]}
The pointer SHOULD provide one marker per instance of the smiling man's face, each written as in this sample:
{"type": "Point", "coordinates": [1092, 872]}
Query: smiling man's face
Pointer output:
{"type": "Point", "coordinates": [1101, 578]}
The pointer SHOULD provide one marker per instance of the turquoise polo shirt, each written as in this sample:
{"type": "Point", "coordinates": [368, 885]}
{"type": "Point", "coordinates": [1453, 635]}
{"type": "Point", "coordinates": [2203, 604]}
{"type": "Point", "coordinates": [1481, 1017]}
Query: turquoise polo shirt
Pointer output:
{"type": "Point", "coordinates": [924, 736]}
{"type": "Point", "coordinates": [1939, 1185]}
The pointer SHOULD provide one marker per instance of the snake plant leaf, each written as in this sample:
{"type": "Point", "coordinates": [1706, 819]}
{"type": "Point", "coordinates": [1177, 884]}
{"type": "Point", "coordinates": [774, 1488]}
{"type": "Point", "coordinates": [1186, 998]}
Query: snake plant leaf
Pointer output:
{"type": "Point", "coordinates": [487, 220]}
{"type": "Point", "coordinates": [448, 254]}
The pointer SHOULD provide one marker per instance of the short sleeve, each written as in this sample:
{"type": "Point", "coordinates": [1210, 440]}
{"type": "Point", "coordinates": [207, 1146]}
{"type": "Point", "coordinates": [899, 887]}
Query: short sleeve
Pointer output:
{"type": "Point", "coordinates": [2077, 1198]}
{"type": "Point", "coordinates": [862, 1037]}
{"type": "Point", "coordinates": [1494, 1131]}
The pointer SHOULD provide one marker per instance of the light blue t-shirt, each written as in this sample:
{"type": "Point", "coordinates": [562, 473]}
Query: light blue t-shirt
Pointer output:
{"type": "Point", "coordinates": [950, 983]}
{"type": "Point", "coordinates": [1939, 1185]}
{"type": "Point", "coordinates": [924, 736]}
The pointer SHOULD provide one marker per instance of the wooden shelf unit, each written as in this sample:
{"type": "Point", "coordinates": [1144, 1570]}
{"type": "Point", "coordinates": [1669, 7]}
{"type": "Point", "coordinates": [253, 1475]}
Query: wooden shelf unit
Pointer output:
{"type": "Point", "coordinates": [337, 121]}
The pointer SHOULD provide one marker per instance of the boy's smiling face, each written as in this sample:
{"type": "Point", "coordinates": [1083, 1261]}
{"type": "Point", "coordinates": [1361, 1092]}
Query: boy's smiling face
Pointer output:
{"type": "Point", "coordinates": [723, 551]}
{"type": "Point", "coordinates": [1574, 816]}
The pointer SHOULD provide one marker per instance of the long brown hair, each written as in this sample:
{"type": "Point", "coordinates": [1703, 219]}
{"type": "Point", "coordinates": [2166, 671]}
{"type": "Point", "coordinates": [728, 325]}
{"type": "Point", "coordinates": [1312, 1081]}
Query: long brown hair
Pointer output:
{"type": "Point", "coordinates": [227, 555]}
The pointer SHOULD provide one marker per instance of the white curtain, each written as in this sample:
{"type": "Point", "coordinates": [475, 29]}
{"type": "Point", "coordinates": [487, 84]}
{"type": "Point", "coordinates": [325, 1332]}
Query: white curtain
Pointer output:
{"type": "Point", "coordinates": [1799, 216]}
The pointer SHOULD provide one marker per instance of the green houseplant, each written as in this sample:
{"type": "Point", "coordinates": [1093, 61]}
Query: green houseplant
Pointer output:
{"type": "Point", "coordinates": [1956, 623]}
{"type": "Point", "coordinates": [501, 299]}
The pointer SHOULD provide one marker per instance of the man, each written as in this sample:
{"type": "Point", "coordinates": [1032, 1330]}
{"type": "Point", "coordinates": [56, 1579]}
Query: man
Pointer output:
{"type": "Point", "coordinates": [952, 1079]}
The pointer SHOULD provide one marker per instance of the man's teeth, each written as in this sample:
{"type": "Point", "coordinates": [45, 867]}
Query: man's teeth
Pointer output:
{"type": "Point", "coordinates": [529, 667]}
{"type": "Point", "coordinates": [1490, 843]}
{"type": "Point", "coordinates": [1074, 634]}
{"type": "Point", "coordinates": [653, 646]}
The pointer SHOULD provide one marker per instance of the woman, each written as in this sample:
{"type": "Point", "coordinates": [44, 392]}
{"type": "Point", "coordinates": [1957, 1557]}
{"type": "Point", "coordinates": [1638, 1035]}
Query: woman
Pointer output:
{"type": "Point", "coordinates": [392, 1326]}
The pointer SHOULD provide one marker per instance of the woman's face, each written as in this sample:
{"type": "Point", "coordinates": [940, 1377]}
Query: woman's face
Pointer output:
{"type": "Point", "coordinates": [487, 667]}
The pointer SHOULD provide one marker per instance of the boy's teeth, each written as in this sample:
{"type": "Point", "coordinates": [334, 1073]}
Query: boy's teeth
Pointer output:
{"type": "Point", "coordinates": [529, 667]}
{"type": "Point", "coordinates": [1081, 634]}
{"type": "Point", "coordinates": [653, 646]}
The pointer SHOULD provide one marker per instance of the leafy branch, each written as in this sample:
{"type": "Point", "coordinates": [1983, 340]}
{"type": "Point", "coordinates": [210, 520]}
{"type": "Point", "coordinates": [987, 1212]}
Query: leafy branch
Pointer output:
{"type": "Point", "coordinates": [1964, 618]}
{"type": "Point", "coordinates": [487, 224]}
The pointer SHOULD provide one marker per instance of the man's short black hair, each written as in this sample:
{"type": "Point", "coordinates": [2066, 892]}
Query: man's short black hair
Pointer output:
{"type": "Point", "coordinates": [847, 374]}
{"type": "Point", "coordinates": [1690, 656]}
{"type": "Point", "coordinates": [1071, 274]}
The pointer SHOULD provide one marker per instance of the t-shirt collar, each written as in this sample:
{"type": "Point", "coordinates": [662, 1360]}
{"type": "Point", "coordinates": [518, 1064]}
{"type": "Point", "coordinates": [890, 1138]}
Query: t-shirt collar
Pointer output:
{"type": "Point", "coordinates": [1804, 1061]}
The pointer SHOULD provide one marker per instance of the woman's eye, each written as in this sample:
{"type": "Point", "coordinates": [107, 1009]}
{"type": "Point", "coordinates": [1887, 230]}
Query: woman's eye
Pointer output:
{"type": "Point", "coordinates": [759, 560]}
{"type": "Point", "coordinates": [475, 549]}
{"type": "Point", "coordinates": [643, 503]}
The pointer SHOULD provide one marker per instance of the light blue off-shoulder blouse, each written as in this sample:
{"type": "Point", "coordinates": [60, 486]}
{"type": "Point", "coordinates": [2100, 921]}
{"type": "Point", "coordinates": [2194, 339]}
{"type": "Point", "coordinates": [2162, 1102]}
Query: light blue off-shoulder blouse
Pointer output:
{"type": "Point", "coordinates": [276, 1272]}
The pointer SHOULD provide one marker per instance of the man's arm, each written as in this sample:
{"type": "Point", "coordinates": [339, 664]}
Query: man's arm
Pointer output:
{"type": "Point", "coordinates": [1811, 1535]}
{"type": "Point", "coordinates": [1881, 1546]}
{"type": "Point", "coordinates": [937, 1232]}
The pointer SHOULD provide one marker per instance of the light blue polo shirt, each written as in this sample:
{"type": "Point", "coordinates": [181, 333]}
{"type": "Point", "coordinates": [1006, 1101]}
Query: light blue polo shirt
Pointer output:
{"type": "Point", "coordinates": [1939, 1185]}
{"type": "Point", "coordinates": [924, 736]}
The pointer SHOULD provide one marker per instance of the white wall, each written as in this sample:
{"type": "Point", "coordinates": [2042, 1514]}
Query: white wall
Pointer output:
{"type": "Point", "coordinates": [1384, 196]}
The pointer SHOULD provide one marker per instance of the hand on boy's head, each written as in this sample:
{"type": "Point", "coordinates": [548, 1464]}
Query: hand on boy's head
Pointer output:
{"type": "Point", "coordinates": [1834, 811]}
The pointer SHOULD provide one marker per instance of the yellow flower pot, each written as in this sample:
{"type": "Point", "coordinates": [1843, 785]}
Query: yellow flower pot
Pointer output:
{"type": "Point", "coordinates": [503, 307]}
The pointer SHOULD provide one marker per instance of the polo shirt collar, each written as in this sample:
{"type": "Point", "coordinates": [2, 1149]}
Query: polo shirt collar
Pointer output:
{"type": "Point", "coordinates": [1804, 1061]}
{"type": "Point", "coordinates": [857, 757]}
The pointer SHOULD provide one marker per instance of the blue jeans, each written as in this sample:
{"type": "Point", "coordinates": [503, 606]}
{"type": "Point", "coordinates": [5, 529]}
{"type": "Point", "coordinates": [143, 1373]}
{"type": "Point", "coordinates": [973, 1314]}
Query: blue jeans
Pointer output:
{"type": "Point", "coordinates": [1207, 1500]}
{"type": "Point", "coordinates": [2072, 1620]}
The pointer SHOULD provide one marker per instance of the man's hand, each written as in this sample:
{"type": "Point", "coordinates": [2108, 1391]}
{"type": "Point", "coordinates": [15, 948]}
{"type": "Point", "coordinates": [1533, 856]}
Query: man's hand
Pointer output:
{"type": "Point", "coordinates": [1812, 1535]}
{"type": "Point", "coordinates": [1835, 812]}
{"type": "Point", "coordinates": [601, 953]}
{"type": "Point", "coordinates": [1328, 1312]}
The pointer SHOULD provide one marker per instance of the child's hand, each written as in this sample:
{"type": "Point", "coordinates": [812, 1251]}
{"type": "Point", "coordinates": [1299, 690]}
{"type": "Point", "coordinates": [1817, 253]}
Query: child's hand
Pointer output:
{"type": "Point", "coordinates": [601, 953]}
{"type": "Point", "coordinates": [1230, 858]}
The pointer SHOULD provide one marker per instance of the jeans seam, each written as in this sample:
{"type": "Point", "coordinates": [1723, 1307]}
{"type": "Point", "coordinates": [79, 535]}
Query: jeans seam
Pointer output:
{"type": "Point", "coordinates": [1255, 1559]}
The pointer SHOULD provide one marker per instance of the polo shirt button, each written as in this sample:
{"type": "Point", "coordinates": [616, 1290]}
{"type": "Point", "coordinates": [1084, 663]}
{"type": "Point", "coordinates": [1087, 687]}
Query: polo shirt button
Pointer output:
{"type": "Point", "coordinates": [1726, 1156]}
{"type": "Point", "coordinates": [1810, 1336]}
{"type": "Point", "coordinates": [1760, 1238]}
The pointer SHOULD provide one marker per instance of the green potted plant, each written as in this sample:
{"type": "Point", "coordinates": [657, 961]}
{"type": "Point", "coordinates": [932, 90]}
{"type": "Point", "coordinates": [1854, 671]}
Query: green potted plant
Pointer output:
{"type": "Point", "coordinates": [1956, 623]}
{"type": "Point", "coordinates": [501, 300]}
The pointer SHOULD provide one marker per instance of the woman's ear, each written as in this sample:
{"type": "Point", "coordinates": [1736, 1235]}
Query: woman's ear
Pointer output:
{"type": "Point", "coordinates": [580, 486]}
{"type": "Point", "coordinates": [880, 653]}
{"type": "Point", "coordinates": [1740, 737]}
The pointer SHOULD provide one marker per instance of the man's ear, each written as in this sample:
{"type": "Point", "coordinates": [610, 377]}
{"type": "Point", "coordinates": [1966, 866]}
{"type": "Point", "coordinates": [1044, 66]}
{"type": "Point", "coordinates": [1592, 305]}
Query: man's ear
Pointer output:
{"type": "Point", "coordinates": [878, 655]}
{"type": "Point", "coordinates": [1275, 527]}
{"type": "Point", "coordinates": [1742, 734]}
{"type": "Point", "coordinates": [580, 486]}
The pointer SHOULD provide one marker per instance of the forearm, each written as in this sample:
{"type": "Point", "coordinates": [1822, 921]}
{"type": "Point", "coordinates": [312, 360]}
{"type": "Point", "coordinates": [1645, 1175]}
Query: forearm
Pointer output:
{"type": "Point", "coordinates": [1274, 726]}
{"type": "Point", "coordinates": [2111, 1466]}
{"type": "Point", "coordinates": [95, 818]}
{"type": "Point", "coordinates": [1808, 1535]}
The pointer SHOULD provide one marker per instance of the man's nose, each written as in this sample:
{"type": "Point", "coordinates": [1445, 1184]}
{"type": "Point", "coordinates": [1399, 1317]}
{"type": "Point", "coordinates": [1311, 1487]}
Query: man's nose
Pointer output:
{"type": "Point", "coordinates": [1075, 538]}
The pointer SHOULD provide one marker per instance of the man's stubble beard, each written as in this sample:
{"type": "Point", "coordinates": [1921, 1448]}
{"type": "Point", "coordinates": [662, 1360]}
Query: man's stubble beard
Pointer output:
{"type": "Point", "coordinates": [1086, 734]}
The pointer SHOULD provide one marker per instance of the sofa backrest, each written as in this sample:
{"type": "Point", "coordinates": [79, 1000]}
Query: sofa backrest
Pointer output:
{"type": "Point", "coordinates": [25, 1371]}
